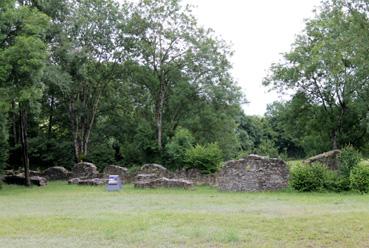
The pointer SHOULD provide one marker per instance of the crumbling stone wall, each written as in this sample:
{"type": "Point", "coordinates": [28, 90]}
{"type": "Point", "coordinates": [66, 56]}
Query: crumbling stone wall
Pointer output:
{"type": "Point", "coordinates": [84, 170]}
{"type": "Point", "coordinates": [122, 172]}
{"type": "Point", "coordinates": [162, 182]}
{"type": "Point", "coordinates": [56, 173]}
{"type": "Point", "coordinates": [253, 173]}
{"type": "Point", "coordinates": [330, 159]}
{"type": "Point", "coordinates": [197, 177]}
{"type": "Point", "coordinates": [156, 169]}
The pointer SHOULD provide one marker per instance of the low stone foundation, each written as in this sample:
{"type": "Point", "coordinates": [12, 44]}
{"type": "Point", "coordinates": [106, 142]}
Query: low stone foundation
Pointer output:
{"type": "Point", "coordinates": [197, 177]}
{"type": "Point", "coordinates": [163, 182]}
{"type": "Point", "coordinates": [21, 180]}
{"type": "Point", "coordinates": [92, 182]}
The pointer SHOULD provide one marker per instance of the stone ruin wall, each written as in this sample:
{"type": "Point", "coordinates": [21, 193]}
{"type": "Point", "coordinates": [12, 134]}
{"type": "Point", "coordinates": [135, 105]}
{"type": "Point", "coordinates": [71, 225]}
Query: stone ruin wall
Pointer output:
{"type": "Point", "coordinates": [254, 173]}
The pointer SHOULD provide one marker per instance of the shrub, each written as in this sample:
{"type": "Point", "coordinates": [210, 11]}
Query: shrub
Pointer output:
{"type": "Point", "coordinates": [349, 158]}
{"type": "Point", "coordinates": [267, 148]}
{"type": "Point", "coordinates": [307, 178]}
{"type": "Point", "coordinates": [176, 148]}
{"type": "Point", "coordinates": [205, 158]}
{"type": "Point", "coordinates": [359, 178]}
{"type": "Point", "coordinates": [335, 182]}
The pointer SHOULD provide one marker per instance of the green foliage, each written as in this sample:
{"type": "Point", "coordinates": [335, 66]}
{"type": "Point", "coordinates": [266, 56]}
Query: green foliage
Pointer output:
{"type": "Point", "coordinates": [308, 178]}
{"type": "Point", "coordinates": [45, 152]}
{"type": "Point", "coordinates": [349, 159]}
{"type": "Point", "coordinates": [206, 158]}
{"type": "Point", "coordinates": [317, 177]}
{"type": "Point", "coordinates": [326, 64]}
{"type": "Point", "coordinates": [101, 155]}
{"type": "Point", "coordinates": [335, 182]}
{"type": "Point", "coordinates": [176, 148]}
{"type": "Point", "coordinates": [267, 148]}
{"type": "Point", "coordinates": [359, 178]}
{"type": "Point", "coordinates": [257, 135]}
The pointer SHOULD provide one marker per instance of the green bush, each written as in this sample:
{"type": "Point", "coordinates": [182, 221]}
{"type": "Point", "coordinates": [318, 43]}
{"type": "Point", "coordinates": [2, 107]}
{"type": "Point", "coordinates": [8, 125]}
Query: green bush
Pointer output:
{"type": "Point", "coordinates": [335, 182]}
{"type": "Point", "coordinates": [307, 178]}
{"type": "Point", "coordinates": [205, 158]}
{"type": "Point", "coordinates": [349, 158]}
{"type": "Point", "coordinates": [176, 148]}
{"type": "Point", "coordinates": [359, 178]}
{"type": "Point", "coordinates": [267, 148]}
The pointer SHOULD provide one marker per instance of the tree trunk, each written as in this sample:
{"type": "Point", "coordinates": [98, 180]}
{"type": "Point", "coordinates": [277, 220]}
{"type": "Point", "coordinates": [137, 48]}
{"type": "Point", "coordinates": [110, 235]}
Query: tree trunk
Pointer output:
{"type": "Point", "coordinates": [24, 141]}
{"type": "Point", "coordinates": [82, 123]}
{"type": "Point", "coordinates": [51, 118]}
{"type": "Point", "coordinates": [159, 115]}
{"type": "Point", "coordinates": [334, 140]}
{"type": "Point", "coordinates": [14, 124]}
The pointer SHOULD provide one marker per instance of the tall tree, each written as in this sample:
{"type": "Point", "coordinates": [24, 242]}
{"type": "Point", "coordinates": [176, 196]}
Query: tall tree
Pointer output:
{"type": "Point", "coordinates": [325, 63]}
{"type": "Point", "coordinates": [22, 55]}
{"type": "Point", "coordinates": [164, 37]}
{"type": "Point", "coordinates": [86, 60]}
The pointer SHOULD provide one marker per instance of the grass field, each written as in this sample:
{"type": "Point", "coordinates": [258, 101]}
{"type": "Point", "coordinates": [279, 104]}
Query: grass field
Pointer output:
{"type": "Point", "coordinates": [62, 215]}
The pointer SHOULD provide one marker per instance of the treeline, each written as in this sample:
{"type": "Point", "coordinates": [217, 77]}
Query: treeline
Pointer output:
{"type": "Point", "coordinates": [99, 81]}
{"type": "Point", "coordinates": [138, 82]}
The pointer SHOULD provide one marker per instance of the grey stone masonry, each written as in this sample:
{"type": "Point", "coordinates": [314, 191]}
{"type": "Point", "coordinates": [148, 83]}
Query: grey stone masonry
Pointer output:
{"type": "Point", "coordinates": [157, 169]}
{"type": "Point", "coordinates": [253, 173]}
{"type": "Point", "coordinates": [56, 173]}
{"type": "Point", "coordinates": [163, 182]}
{"type": "Point", "coordinates": [84, 170]}
{"type": "Point", "coordinates": [122, 172]}
{"type": "Point", "coordinates": [330, 159]}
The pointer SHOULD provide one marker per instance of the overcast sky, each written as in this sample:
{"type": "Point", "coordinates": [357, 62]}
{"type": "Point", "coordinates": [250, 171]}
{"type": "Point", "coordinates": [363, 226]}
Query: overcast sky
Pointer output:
{"type": "Point", "coordinates": [260, 30]}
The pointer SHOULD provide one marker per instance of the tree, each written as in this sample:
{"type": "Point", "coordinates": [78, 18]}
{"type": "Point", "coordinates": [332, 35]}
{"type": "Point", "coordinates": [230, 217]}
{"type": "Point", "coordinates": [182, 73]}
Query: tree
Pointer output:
{"type": "Point", "coordinates": [325, 64]}
{"type": "Point", "coordinates": [113, 82]}
{"type": "Point", "coordinates": [164, 37]}
{"type": "Point", "coordinates": [22, 56]}
{"type": "Point", "coordinates": [86, 60]}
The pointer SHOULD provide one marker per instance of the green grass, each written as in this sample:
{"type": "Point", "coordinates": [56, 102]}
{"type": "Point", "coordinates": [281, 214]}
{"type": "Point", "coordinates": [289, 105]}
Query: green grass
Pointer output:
{"type": "Point", "coordinates": [61, 215]}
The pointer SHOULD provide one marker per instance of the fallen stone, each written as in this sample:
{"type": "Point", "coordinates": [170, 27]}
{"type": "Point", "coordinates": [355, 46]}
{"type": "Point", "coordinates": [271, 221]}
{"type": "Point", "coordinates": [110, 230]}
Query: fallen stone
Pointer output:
{"type": "Point", "coordinates": [164, 182]}
{"type": "Point", "coordinates": [330, 159]}
{"type": "Point", "coordinates": [56, 173]}
{"type": "Point", "coordinates": [9, 172]}
{"type": "Point", "coordinates": [157, 169]}
{"type": "Point", "coordinates": [196, 176]}
{"type": "Point", "coordinates": [21, 180]}
{"type": "Point", "coordinates": [39, 181]}
{"type": "Point", "coordinates": [116, 170]}
{"type": "Point", "coordinates": [84, 170]}
{"type": "Point", "coordinates": [35, 173]}
{"type": "Point", "coordinates": [91, 181]}
{"type": "Point", "coordinates": [145, 177]}
{"type": "Point", "coordinates": [32, 173]}
{"type": "Point", "coordinates": [253, 173]}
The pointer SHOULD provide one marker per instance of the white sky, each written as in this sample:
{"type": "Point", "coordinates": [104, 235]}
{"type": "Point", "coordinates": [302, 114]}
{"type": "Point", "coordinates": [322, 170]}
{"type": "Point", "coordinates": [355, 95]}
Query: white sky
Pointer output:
{"type": "Point", "coordinates": [260, 30]}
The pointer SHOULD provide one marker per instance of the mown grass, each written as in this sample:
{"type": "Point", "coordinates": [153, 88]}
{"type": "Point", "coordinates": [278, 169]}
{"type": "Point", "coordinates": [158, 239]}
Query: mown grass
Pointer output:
{"type": "Point", "coordinates": [62, 215]}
